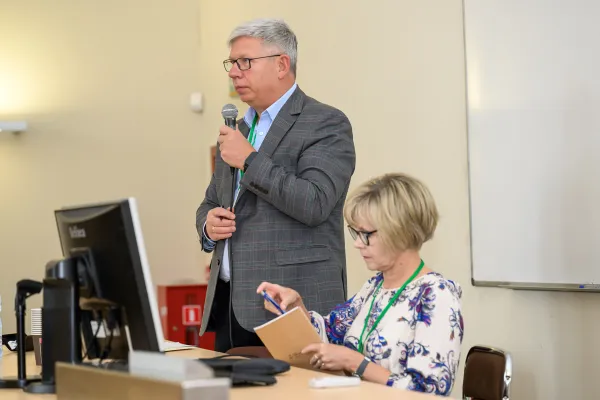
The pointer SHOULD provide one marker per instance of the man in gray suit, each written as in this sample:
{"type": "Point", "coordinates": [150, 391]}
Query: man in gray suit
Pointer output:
{"type": "Point", "coordinates": [294, 158]}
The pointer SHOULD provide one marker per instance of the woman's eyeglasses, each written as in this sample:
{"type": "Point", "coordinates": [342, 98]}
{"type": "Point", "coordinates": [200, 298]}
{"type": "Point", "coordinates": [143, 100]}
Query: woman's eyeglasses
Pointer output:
{"type": "Point", "coordinates": [364, 236]}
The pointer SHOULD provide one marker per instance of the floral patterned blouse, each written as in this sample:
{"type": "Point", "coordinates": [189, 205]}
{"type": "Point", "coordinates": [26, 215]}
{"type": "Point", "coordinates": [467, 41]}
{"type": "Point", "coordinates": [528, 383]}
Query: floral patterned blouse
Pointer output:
{"type": "Point", "coordinates": [419, 338]}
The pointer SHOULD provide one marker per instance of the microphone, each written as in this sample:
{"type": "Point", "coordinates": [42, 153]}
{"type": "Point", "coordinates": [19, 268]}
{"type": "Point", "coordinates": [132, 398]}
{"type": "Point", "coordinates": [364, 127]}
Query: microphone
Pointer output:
{"type": "Point", "coordinates": [26, 288]}
{"type": "Point", "coordinates": [230, 113]}
{"type": "Point", "coordinates": [29, 287]}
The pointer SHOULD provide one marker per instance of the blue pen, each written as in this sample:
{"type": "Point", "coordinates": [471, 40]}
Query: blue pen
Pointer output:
{"type": "Point", "coordinates": [270, 299]}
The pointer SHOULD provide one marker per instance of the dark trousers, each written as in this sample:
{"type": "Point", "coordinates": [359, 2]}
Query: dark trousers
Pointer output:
{"type": "Point", "coordinates": [228, 332]}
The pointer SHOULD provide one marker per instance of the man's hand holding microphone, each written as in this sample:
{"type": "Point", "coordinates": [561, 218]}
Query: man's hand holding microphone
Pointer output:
{"type": "Point", "coordinates": [234, 148]}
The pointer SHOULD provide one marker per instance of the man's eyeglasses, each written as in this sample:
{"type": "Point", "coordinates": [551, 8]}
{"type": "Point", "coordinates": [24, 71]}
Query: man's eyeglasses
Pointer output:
{"type": "Point", "coordinates": [244, 63]}
{"type": "Point", "coordinates": [364, 236]}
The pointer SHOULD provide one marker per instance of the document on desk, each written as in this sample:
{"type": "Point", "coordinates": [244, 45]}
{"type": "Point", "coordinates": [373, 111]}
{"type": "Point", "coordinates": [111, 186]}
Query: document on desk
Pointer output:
{"type": "Point", "coordinates": [286, 336]}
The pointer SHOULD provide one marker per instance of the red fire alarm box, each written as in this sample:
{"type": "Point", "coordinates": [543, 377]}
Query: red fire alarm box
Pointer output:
{"type": "Point", "coordinates": [181, 308]}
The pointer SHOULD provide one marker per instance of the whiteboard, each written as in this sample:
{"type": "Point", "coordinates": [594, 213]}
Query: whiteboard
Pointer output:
{"type": "Point", "coordinates": [533, 96]}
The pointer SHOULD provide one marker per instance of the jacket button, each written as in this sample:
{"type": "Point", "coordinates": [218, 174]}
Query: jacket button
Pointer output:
{"type": "Point", "coordinates": [218, 263]}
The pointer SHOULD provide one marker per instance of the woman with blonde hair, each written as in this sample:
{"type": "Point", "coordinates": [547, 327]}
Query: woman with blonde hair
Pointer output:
{"type": "Point", "coordinates": [404, 327]}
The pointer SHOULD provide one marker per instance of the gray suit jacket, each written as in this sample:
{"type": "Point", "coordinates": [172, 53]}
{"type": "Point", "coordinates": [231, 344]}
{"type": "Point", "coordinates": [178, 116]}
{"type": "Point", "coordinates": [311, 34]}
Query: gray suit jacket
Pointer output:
{"type": "Point", "coordinates": [289, 222]}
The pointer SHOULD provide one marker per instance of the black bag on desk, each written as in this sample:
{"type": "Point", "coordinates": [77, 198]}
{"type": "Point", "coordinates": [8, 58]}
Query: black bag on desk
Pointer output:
{"type": "Point", "coordinates": [247, 372]}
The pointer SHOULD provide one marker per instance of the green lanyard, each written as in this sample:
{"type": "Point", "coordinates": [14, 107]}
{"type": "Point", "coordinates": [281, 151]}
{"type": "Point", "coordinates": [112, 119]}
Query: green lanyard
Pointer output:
{"type": "Point", "coordinates": [251, 137]}
{"type": "Point", "coordinates": [392, 301]}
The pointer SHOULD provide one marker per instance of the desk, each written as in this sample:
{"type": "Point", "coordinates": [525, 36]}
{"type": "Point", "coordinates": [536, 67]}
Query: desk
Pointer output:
{"type": "Point", "coordinates": [292, 384]}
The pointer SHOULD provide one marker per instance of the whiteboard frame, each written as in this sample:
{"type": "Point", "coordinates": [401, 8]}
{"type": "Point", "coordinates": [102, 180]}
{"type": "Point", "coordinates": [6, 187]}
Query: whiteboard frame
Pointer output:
{"type": "Point", "coordinates": [534, 286]}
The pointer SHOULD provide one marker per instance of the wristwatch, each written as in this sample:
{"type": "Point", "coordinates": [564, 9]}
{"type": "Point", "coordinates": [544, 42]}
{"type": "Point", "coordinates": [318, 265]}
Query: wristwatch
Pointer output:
{"type": "Point", "coordinates": [249, 160]}
{"type": "Point", "coordinates": [361, 368]}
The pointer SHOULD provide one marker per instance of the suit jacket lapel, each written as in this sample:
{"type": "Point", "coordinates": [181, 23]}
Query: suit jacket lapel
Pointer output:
{"type": "Point", "coordinates": [284, 121]}
{"type": "Point", "coordinates": [244, 128]}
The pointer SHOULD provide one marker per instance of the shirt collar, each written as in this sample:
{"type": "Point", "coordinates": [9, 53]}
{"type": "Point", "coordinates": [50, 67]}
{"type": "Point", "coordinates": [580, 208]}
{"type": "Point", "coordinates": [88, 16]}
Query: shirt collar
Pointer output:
{"type": "Point", "coordinates": [273, 109]}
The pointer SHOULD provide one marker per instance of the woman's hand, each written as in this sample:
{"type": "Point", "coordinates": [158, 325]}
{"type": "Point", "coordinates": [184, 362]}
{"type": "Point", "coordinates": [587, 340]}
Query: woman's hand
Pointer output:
{"type": "Point", "coordinates": [286, 298]}
{"type": "Point", "coordinates": [333, 357]}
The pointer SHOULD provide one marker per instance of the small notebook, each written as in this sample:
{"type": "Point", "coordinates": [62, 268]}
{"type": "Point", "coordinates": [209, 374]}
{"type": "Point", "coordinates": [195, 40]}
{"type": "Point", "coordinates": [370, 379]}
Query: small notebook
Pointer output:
{"type": "Point", "coordinates": [287, 335]}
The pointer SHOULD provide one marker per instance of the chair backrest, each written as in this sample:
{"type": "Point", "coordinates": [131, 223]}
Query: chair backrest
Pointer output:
{"type": "Point", "coordinates": [488, 373]}
{"type": "Point", "coordinates": [251, 351]}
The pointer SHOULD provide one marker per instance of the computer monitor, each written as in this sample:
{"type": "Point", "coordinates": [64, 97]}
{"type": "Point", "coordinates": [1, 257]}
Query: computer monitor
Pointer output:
{"type": "Point", "coordinates": [116, 266]}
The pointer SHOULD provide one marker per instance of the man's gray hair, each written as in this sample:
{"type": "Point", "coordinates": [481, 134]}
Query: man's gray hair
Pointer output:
{"type": "Point", "coordinates": [273, 32]}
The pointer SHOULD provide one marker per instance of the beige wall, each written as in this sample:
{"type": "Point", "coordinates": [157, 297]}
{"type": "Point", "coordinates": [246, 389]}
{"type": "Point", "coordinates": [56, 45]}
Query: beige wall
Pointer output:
{"type": "Point", "coordinates": [98, 82]}
{"type": "Point", "coordinates": [105, 90]}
